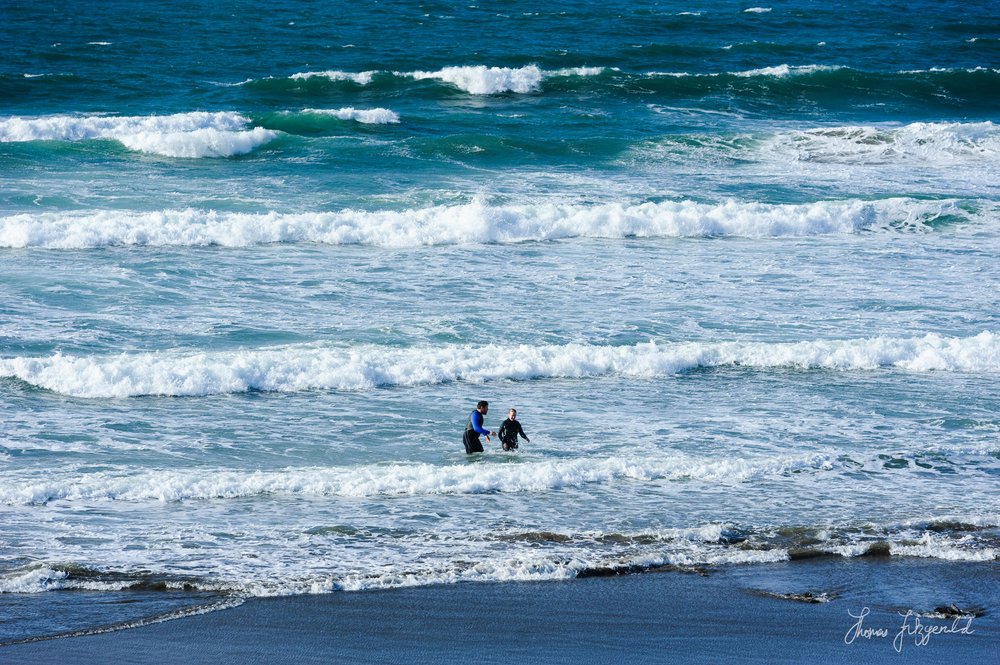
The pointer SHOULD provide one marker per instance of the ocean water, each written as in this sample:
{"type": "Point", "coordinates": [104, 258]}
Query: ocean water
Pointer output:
{"type": "Point", "coordinates": [736, 266]}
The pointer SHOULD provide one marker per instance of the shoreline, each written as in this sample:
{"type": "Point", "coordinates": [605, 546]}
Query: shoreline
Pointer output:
{"type": "Point", "coordinates": [835, 610]}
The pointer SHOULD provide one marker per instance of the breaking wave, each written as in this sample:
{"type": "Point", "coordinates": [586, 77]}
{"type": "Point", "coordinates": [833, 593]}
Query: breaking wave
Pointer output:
{"type": "Point", "coordinates": [360, 78]}
{"type": "Point", "coordinates": [777, 71]}
{"type": "Point", "coordinates": [395, 480]}
{"type": "Point", "coordinates": [475, 79]}
{"type": "Point", "coordinates": [195, 134]}
{"type": "Point", "coordinates": [785, 89]}
{"type": "Point", "coordinates": [318, 367]}
{"type": "Point", "coordinates": [377, 116]}
{"type": "Point", "coordinates": [527, 556]}
{"type": "Point", "coordinates": [475, 222]}
{"type": "Point", "coordinates": [484, 80]}
{"type": "Point", "coordinates": [941, 144]}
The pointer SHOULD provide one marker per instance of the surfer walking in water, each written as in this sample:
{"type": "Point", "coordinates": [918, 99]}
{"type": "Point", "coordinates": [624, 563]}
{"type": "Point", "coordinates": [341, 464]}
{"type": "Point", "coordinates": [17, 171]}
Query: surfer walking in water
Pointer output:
{"type": "Point", "coordinates": [509, 431]}
{"type": "Point", "coordinates": [475, 428]}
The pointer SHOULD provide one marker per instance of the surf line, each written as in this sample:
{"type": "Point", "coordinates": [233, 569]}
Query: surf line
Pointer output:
{"type": "Point", "coordinates": [226, 604]}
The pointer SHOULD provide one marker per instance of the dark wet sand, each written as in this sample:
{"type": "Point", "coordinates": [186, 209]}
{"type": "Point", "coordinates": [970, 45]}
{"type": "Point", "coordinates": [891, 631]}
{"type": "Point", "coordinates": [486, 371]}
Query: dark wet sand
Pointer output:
{"type": "Point", "coordinates": [736, 614]}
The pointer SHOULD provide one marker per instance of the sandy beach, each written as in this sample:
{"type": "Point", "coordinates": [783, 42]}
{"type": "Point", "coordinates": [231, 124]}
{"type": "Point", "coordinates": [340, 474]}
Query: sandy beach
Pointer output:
{"type": "Point", "coordinates": [870, 611]}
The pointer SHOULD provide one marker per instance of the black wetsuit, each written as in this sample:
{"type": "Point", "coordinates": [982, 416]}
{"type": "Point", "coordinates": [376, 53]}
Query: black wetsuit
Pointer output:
{"type": "Point", "coordinates": [472, 431]}
{"type": "Point", "coordinates": [508, 434]}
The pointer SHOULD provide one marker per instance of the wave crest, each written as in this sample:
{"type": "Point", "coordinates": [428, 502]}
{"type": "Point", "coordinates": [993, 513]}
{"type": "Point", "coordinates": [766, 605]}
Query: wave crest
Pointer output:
{"type": "Point", "coordinates": [311, 367]}
{"type": "Point", "coordinates": [940, 144]}
{"type": "Point", "coordinates": [376, 116]}
{"type": "Point", "coordinates": [484, 80]}
{"type": "Point", "coordinates": [475, 222]}
{"type": "Point", "coordinates": [195, 134]}
{"type": "Point", "coordinates": [473, 79]}
{"type": "Point", "coordinates": [360, 78]}
{"type": "Point", "coordinates": [396, 480]}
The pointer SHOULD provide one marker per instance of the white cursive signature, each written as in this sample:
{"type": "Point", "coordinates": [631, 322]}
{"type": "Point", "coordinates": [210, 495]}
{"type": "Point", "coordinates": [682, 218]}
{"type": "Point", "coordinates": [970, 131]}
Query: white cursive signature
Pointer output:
{"type": "Point", "coordinates": [859, 630]}
{"type": "Point", "coordinates": [912, 627]}
{"type": "Point", "coordinates": [922, 633]}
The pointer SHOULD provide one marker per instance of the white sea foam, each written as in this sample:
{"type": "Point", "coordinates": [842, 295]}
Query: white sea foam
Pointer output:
{"type": "Point", "coordinates": [41, 578]}
{"type": "Point", "coordinates": [579, 71]}
{"type": "Point", "coordinates": [947, 157]}
{"type": "Point", "coordinates": [376, 116]}
{"type": "Point", "coordinates": [361, 78]}
{"type": "Point", "coordinates": [32, 580]}
{"type": "Point", "coordinates": [475, 222]}
{"type": "Point", "coordinates": [949, 70]}
{"type": "Point", "coordinates": [757, 10]}
{"type": "Point", "coordinates": [978, 521]}
{"type": "Point", "coordinates": [482, 80]}
{"type": "Point", "coordinates": [923, 143]}
{"type": "Point", "coordinates": [282, 571]}
{"type": "Point", "coordinates": [786, 70]}
{"type": "Point", "coordinates": [399, 480]}
{"type": "Point", "coordinates": [206, 142]}
{"type": "Point", "coordinates": [475, 80]}
{"type": "Point", "coordinates": [783, 71]}
{"type": "Point", "coordinates": [38, 579]}
{"type": "Point", "coordinates": [524, 567]}
{"type": "Point", "coordinates": [196, 134]}
{"type": "Point", "coordinates": [79, 128]}
{"type": "Point", "coordinates": [778, 71]}
{"type": "Point", "coordinates": [310, 367]}
{"type": "Point", "coordinates": [406, 558]}
{"type": "Point", "coordinates": [670, 547]}
{"type": "Point", "coordinates": [936, 546]}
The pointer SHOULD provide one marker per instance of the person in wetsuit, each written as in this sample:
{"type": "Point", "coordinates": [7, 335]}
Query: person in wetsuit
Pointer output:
{"type": "Point", "coordinates": [475, 427]}
{"type": "Point", "coordinates": [510, 429]}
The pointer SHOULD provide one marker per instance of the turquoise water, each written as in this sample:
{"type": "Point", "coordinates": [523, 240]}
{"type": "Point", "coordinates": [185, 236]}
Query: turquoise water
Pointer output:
{"type": "Point", "coordinates": [735, 266]}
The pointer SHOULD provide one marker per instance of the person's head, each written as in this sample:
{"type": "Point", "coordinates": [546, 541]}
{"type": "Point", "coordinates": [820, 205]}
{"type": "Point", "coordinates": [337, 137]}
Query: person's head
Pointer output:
{"type": "Point", "coordinates": [482, 406]}
{"type": "Point", "coordinates": [512, 414]}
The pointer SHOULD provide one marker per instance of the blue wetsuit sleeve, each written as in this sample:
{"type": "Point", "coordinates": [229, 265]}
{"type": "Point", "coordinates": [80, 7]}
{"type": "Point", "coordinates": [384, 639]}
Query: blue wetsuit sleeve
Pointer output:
{"type": "Point", "coordinates": [477, 423]}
